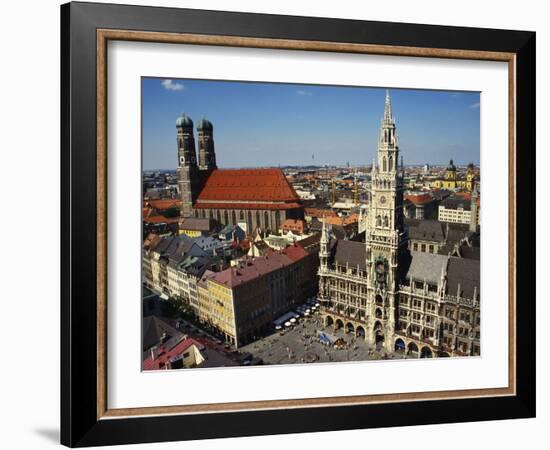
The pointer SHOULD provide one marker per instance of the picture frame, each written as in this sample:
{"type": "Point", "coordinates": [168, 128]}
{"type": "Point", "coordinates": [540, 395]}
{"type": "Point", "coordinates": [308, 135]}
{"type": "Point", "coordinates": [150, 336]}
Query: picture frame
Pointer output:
{"type": "Point", "coordinates": [86, 28]}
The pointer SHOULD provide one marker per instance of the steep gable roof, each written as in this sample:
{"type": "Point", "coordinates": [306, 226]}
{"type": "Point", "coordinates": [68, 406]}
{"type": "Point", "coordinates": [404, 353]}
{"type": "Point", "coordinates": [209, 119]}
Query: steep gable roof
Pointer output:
{"type": "Point", "coordinates": [464, 272]}
{"type": "Point", "coordinates": [154, 328]}
{"type": "Point", "coordinates": [429, 230]}
{"type": "Point", "coordinates": [352, 253]}
{"type": "Point", "coordinates": [426, 266]}
{"type": "Point", "coordinates": [251, 185]}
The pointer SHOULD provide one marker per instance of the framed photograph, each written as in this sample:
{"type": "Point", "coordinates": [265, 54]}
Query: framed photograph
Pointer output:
{"type": "Point", "coordinates": [277, 224]}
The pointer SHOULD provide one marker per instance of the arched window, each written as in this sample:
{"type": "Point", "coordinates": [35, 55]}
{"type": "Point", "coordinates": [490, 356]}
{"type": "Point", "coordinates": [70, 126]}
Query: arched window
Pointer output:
{"type": "Point", "coordinates": [385, 221]}
{"type": "Point", "coordinates": [266, 220]}
{"type": "Point", "coordinates": [225, 217]}
{"type": "Point", "coordinates": [241, 215]}
{"type": "Point", "coordinates": [384, 164]}
{"type": "Point", "coordinates": [390, 164]}
{"type": "Point", "coordinates": [378, 221]}
{"type": "Point", "coordinates": [249, 221]}
{"type": "Point", "coordinates": [277, 219]}
{"type": "Point", "coordinates": [258, 224]}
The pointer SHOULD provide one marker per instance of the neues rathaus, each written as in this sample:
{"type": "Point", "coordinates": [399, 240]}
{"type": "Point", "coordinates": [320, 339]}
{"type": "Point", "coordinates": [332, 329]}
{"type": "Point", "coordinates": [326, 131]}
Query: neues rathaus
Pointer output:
{"type": "Point", "coordinates": [423, 304]}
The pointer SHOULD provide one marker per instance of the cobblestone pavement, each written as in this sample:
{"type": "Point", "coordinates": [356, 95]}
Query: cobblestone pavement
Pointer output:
{"type": "Point", "coordinates": [301, 345]}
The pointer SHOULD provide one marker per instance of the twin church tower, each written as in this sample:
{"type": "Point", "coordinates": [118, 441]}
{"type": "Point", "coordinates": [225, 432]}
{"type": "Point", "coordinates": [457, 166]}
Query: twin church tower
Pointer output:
{"type": "Point", "coordinates": [192, 175]}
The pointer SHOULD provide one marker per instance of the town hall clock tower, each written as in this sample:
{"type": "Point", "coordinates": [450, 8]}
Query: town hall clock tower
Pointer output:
{"type": "Point", "coordinates": [385, 238]}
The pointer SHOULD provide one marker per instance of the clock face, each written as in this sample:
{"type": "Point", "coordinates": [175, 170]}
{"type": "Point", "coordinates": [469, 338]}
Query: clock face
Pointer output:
{"type": "Point", "coordinates": [182, 160]}
{"type": "Point", "coordinates": [380, 268]}
{"type": "Point", "coordinates": [382, 199]}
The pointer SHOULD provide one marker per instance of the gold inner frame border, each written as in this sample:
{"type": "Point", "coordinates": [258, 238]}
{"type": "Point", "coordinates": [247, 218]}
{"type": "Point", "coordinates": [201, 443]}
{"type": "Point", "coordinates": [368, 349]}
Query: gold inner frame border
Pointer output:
{"type": "Point", "coordinates": [105, 35]}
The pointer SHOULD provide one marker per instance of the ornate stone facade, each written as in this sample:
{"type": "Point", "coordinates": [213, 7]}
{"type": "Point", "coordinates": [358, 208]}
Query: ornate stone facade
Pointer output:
{"type": "Point", "coordinates": [420, 303]}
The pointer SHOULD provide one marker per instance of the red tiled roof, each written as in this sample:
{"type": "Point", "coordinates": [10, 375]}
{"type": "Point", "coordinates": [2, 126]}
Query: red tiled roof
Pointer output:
{"type": "Point", "coordinates": [161, 219]}
{"type": "Point", "coordinates": [293, 225]}
{"type": "Point", "coordinates": [466, 196]}
{"type": "Point", "coordinates": [250, 269]}
{"type": "Point", "coordinates": [245, 245]}
{"type": "Point", "coordinates": [330, 220]}
{"type": "Point", "coordinates": [164, 204]}
{"type": "Point", "coordinates": [420, 199]}
{"type": "Point", "coordinates": [149, 212]}
{"type": "Point", "coordinates": [253, 185]}
{"type": "Point", "coordinates": [295, 252]}
{"type": "Point", "coordinates": [348, 220]}
{"type": "Point", "coordinates": [352, 218]}
{"type": "Point", "coordinates": [231, 205]}
{"type": "Point", "coordinates": [463, 194]}
{"type": "Point", "coordinates": [317, 212]}
{"type": "Point", "coordinates": [165, 355]}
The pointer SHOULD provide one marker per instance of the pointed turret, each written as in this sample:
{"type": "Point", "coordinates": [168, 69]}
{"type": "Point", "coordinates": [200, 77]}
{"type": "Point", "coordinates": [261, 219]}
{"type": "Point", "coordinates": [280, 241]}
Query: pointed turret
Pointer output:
{"type": "Point", "coordinates": [388, 117]}
{"type": "Point", "coordinates": [324, 247]}
{"type": "Point", "coordinates": [324, 234]}
{"type": "Point", "coordinates": [388, 149]}
{"type": "Point", "coordinates": [473, 209]}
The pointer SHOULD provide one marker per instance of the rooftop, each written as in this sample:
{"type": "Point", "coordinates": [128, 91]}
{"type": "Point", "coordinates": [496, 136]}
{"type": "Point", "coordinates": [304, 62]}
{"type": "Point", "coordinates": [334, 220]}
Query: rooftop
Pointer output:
{"type": "Point", "coordinates": [294, 224]}
{"type": "Point", "coordinates": [251, 268]}
{"type": "Point", "coordinates": [155, 327]}
{"type": "Point", "coordinates": [426, 266]}
{"type": "Point", "coordinates": [350, 253]}
{"type": "Point", "coordinates": [319, 212]}
{"type": "Point", "coordinates": [456, 203]}
{"type": "Point", "coordinates": [164, 204]}
{"type": "Point", "coordinates": [196, 224]}
{"type": "Point", "coordinates": [419, 199]}
{"type": "Point", "coordinates": [250, 185]}
{"type": "Point", "coordinates": [464, 272]}
{"type": "Point", "coordinates": [431, 230]}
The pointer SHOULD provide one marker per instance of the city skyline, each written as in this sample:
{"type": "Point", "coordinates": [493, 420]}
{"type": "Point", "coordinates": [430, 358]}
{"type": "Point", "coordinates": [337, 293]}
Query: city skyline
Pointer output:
{"type": "Point", "coordinates": [271, 124]}
{"type": "Point", "coordinates": [267, 267]}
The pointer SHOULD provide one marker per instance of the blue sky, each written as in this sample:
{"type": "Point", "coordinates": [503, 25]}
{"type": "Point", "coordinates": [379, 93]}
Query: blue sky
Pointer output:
{"type": "Point", "coordinates": [267, 124]}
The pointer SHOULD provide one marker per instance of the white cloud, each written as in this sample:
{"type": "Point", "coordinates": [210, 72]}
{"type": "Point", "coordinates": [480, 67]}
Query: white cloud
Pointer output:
{"type": "Point", "coordinates": [169, 85]}
{"type": "Point", "coordinates": [474, 105]}
{"type": "Point", "coordinates": [304, 93]}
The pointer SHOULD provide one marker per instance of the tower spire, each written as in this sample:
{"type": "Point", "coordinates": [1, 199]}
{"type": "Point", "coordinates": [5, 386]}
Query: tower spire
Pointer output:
{"type": "Point", "coordinates": [388, 117]}
{"type": "Point", "coordinates": [324, 232]}
{"type": "Point", "coordinates": [473, 209]}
